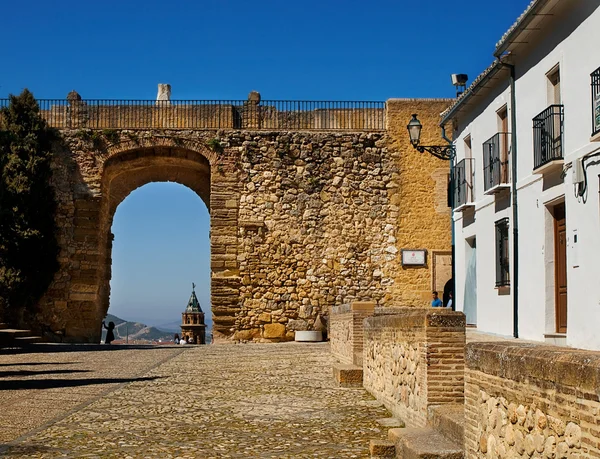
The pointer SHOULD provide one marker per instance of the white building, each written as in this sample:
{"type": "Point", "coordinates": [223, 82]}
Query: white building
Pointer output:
{"type": "Point", "coordinates": [538, 103]}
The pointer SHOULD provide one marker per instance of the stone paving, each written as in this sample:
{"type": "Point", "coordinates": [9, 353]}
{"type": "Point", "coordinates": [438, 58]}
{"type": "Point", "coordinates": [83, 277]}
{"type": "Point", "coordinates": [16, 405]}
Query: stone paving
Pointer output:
{"type": "Point", "coordinates": [220, 401]}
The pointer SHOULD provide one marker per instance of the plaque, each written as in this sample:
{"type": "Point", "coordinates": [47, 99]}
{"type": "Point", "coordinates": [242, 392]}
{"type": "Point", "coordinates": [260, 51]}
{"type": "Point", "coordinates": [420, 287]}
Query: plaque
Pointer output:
{"type": "Point", "coordinates": [414, 257]}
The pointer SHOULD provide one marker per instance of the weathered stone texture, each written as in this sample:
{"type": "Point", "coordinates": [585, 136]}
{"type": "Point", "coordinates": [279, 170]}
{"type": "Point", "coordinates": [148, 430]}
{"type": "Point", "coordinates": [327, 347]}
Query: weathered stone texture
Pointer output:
{"type": "Point", "coordinates": [414, 359]}
{"type": "Point", "coordinates": [300, 221]}
{"type": "Point", "coordinates": [528, 400]}
{"type": "Point", "coordinates": [346, 331]}
{"type": "Point", "coordinates": [418, 197]}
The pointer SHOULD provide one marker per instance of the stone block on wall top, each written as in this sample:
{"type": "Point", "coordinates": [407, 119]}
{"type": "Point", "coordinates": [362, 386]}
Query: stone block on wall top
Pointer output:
{"type": "Point", "coordinates": [164, 92]}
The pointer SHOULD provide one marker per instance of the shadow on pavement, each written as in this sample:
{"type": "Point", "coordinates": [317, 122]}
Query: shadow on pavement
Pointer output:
{"type": "Point", "coordinates": [26, 384]}
{"type": "Point", "coordinates": [22, 364]}
{"type": "Point", "coordinates": [52, 348]}
{"type": "Point", "coordinates": [8, 374]}
{"type": "Point", "coordinates": [8, 450]}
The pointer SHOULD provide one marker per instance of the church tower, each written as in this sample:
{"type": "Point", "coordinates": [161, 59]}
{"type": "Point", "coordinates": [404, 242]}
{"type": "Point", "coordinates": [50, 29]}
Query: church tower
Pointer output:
{"type": "Point", "coordinates": [192, 320]}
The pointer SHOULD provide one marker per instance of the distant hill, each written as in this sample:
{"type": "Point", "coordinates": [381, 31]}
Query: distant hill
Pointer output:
{"type": "Point", "coordinates": [137, 331]}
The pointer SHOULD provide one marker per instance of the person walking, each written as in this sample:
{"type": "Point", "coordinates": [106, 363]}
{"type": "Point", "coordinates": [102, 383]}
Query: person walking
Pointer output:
{"type": "Point", "coordinates": [436, 302]}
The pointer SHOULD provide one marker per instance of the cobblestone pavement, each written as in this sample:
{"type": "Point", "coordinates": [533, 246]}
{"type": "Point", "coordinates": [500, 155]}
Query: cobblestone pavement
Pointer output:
{"type": "Point", "coordinates": [221, 401]}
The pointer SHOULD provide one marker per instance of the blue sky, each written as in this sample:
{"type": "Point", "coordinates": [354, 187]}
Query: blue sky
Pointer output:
{"type": "Point", "coordinates": [223, 49]}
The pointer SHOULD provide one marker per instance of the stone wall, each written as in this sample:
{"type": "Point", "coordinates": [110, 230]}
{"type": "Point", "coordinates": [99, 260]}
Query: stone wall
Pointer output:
{"type": "Point", "coordinates": [300, 221]}
{"type": "Point", "coordinates": [346, 331]}
{"type": "Point", "coordinates": [419, 197]}
{"type": "Point", "coordinates": [529, 400]}
{"type": "Point", "coordinates": [414, 359]}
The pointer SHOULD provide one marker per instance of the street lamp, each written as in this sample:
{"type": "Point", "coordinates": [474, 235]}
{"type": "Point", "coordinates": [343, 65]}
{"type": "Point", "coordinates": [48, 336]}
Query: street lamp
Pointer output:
{"type": "Point", "coordinates": [446, 153]}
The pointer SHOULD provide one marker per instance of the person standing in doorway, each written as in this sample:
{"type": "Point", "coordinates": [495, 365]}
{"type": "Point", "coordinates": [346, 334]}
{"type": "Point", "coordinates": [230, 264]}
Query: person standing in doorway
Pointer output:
{"type": "Point", "coordinates": [449, 304]}
{"type": "Point", "coordinates": [436, 302]}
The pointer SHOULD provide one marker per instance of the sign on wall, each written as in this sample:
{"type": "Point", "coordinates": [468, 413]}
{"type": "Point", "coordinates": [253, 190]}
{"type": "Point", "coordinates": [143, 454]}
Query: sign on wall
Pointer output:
{"type": "Point", "coordinates": [414, 257]}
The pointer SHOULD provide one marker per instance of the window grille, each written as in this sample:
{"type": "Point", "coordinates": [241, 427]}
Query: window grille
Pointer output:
{"type": "Point", "coordinates": [502, 254]}
{"type": "Point", "coordinates": [596, 101]}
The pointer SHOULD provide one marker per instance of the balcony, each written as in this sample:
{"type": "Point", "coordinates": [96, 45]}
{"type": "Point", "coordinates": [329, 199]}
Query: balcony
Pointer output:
{"type": "Point", "coordinates": [548, 139]}
{"type": "Point", "coordinates": [464, 196]}
{"type": "Point", "coordinates": [496, 170]}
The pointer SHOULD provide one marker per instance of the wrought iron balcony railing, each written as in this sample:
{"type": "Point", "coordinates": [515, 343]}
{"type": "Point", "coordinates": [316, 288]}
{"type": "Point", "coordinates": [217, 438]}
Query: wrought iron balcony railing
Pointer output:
{"type": "Point", "coordinates": [496, 171]}
{"type": "Point", "coordinates": [463, 183]}
{"type": "Point", "coordinates": [595, 76]}
{"type": "Point", "coordinates": [548, 136]}
{"type": "Point", "coordinates": [212, 114]}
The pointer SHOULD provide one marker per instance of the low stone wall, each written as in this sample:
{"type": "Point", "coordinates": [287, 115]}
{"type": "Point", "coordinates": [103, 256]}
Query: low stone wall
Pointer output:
{"type": "Point", "coordinates": [529, 400]}
{"type": "Point", "coordinates": [346, 331]}
{"type": "Point", "coordinates": [414, 359]}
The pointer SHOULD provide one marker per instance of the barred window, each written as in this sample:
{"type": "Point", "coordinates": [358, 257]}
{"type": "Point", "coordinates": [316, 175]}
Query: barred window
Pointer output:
{"type": "Point", "coordinates": [596, 101]}
{"type": "Point", "coordinates": [502, 254]}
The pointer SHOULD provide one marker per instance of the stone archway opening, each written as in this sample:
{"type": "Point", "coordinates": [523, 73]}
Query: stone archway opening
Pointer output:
{"type": "Point", "coordinates": [161, 245]}
{"type": "Point", "coordinates": [127, 171]}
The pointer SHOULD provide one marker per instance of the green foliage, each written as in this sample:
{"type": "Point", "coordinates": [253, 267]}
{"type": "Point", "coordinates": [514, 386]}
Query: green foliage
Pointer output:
{"type": "Point", "coordinates": [97, 139]}
{"type": "Point", "coordinates": [215, 145]}
{"type": "Point", "coordinates": [83, 134]}
{"type": "Point", "coordinates": [28, 246]}
{"type": "Point", "coordinates": [112, 136]}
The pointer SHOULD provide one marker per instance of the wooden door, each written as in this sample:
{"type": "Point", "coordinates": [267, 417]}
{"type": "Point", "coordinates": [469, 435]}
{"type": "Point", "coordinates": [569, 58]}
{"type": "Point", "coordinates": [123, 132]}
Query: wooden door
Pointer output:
{"type": "Point", "coordinates": [560, 267]}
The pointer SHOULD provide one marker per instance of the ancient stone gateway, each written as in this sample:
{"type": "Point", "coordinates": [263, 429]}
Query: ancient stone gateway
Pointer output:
{"type": "Point", "coordinates": [309, 208]}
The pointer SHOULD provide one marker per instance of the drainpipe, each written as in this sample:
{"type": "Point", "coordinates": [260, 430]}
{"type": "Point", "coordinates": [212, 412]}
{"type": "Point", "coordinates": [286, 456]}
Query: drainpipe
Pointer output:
{"type": "Point", "coordinates": [513, 186]}
{"type": "Point", "coordinates": [451, 217]}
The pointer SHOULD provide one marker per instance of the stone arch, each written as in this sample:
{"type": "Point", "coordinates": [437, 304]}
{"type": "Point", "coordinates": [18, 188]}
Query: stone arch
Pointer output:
{"type": "Point", "coordinates": [176, 142]}
{"type": "Point", "coordinates": [128, 165]}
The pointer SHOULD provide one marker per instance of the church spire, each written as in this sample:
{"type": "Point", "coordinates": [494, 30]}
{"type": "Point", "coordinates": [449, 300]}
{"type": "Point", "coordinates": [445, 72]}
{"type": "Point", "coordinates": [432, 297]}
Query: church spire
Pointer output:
{"type": "Point", "coordinates": [193, 303]}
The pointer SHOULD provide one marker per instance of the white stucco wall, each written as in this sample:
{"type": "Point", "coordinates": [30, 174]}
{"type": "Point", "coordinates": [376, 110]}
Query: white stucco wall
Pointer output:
{"type": "Point", "coordinates": [570, 43]}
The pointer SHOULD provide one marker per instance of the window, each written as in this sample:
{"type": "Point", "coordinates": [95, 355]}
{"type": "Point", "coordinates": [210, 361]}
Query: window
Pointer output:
{"type": "Point", "coordinates": [468, 152]}
{"type": "Point", "coordinates": [596, 101]}
{"type": "Point", "coordinates": [502, 254]}
{"type": "Point", "coordinates": [554, 86]}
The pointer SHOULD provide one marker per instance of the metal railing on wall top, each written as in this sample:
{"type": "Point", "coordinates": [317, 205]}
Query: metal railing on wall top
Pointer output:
{"type": "Point", "coordinates": [212, 114]}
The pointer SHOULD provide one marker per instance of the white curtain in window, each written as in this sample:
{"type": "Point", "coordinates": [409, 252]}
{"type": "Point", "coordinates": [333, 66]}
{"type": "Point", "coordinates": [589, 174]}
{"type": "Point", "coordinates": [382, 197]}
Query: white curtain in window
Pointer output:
{"type": "Point", "coordinates": [470, 296]}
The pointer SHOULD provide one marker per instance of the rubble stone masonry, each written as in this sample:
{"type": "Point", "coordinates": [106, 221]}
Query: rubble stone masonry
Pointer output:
{"type": "Point", "coordinates": [300, 221]}
{"type": "Point", "coordinates": [346, 331]}
{"type": "Point", "coordinates": [530, 400]}
{"type": "Point", "coordinates": [413, 359]}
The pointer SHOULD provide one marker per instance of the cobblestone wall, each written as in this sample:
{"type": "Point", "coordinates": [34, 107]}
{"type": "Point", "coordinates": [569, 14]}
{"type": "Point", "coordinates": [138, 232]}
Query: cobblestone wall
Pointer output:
{"type": "Point", "coordinates": [346, 331]}
{"type": "Point", "coordinates": [300, 221]}
{"type": "Point", "coordinates": [413, 359]}
{"type": "Point", "coordinates": [528, 400]}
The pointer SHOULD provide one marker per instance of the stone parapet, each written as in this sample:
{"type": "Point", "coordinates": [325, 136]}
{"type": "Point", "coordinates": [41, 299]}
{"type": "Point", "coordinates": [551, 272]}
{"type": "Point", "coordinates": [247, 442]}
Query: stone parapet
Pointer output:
{"type": "Point", "coordinates": [414, 359]}
{"type": "Point", "coordinates": [346, 330]}
{"type": "Point", "coordinates": [348, 375]}
{"type": "Point", "coordinates": [524, 400]}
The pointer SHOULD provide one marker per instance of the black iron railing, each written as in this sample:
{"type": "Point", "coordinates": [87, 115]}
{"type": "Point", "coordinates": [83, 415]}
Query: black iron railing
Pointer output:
{"type": "Point", "coordinates": [212, 114]}
{"type": "Point", "coordinates": [548, 136]}
{"type": "Point", "coordinates": [502, 254]}
{"type": "Point", "coordinates": [595, 101]}
{"type": "Point", "coordinates": [463, 181]}
{"type": "Point", "coordinates": [495, 161]}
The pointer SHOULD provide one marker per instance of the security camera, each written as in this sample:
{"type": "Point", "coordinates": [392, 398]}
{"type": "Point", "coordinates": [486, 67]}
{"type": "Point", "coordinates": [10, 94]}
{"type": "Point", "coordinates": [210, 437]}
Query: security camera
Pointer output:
{"type": "Point", "coordinates": [459, 79]}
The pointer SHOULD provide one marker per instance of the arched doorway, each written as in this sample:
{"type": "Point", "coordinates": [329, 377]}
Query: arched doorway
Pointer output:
{"type": "Point", "coordinates": [161, 245]}
{"type": "Point", "coordinates": [127, 168]}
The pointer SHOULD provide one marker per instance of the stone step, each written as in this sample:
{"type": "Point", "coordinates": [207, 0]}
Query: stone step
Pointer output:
{"type": "Point", "coordinates": [15, 337]}
{"type": "Point", "coordinates": [14, 332]}
{"type": "Point", "coordinates": [22, 340]}
{"type": "Point", "coordinates": [450, 421]}
{"type": "Point", "coordinates": [424, 443]}
{"type": "Point", "coordinates": [348, 375]}
{"type": "Point", "coordinates": [382, 449]}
